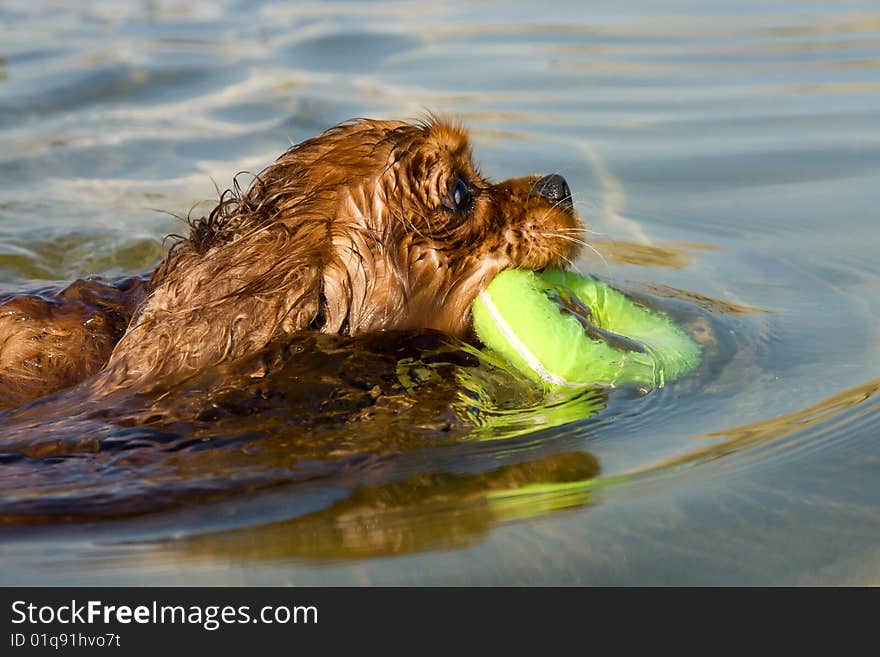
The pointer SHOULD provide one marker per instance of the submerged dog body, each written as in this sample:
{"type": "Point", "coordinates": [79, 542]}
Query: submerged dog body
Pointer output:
{"type": "Point", "coordinates": [370, 226]}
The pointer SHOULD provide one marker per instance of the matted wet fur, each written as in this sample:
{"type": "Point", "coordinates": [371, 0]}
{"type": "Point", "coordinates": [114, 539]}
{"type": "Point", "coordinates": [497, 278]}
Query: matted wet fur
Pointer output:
{"type": "Point", "coordinates": [372, 225]}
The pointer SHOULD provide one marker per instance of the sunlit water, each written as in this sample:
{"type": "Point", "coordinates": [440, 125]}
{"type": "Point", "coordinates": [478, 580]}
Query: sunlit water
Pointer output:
{"type": "Point", "coordinates": [727, 156]}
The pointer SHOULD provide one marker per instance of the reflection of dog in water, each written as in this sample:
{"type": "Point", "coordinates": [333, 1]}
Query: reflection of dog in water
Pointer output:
{"type": "Point", "coordinates": [372, 225]}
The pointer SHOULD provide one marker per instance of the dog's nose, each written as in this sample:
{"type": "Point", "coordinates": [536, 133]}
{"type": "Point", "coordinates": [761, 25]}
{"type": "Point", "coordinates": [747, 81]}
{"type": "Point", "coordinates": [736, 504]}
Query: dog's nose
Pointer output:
{"type": "Point", "coordinates": [554, 188]}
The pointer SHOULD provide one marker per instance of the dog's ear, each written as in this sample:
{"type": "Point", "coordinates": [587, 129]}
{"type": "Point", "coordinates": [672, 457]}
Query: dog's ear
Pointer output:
{"type": "Point", "coordinates": [264, 262]}
{"type": "Point", "coordinates": [231, 301]}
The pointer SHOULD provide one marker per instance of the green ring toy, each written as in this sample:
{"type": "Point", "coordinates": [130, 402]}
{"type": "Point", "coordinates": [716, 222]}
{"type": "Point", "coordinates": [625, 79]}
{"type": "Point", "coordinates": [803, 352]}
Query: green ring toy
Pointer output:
{"type": "Point", "coordinates": [567, 330]}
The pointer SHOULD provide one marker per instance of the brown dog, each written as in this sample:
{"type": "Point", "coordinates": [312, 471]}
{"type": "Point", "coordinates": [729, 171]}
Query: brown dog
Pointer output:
{"type": "Point", "coordinates": [369, 226]}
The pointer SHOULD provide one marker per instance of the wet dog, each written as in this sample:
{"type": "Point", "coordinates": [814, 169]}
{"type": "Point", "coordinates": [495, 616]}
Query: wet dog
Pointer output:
{"type": "Point", "coordinates": [370, 226]}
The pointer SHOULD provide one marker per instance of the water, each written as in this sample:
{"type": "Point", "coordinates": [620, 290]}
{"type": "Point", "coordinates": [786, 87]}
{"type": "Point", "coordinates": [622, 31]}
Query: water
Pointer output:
{"type": "Point", "coordinates": [727, 156]}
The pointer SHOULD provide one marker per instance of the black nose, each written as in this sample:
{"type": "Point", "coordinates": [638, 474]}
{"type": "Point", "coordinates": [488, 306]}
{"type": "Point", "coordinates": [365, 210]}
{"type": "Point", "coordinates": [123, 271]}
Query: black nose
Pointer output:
{"type": "Point", "coordinates": [554, 188]}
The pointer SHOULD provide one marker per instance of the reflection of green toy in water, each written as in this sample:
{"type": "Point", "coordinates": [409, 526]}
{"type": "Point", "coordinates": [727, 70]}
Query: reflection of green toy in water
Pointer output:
{"type": "Point", "coordinates": [570, 331]}
{"type": "Point", "coordinates": [539, 498]}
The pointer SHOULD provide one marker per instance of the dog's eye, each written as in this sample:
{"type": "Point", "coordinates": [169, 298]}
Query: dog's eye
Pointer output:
{"type": "Point", "coordinates": [459, 196]}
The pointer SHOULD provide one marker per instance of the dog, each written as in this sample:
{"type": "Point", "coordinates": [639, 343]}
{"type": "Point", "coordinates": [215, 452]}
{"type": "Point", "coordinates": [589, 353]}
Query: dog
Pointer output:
{"type": "Point", "coordinates": [370, 226]}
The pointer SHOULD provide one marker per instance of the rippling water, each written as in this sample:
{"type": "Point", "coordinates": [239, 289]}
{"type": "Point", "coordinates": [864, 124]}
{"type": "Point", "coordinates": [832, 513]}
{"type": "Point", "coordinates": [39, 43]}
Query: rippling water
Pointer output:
{"type": "Point", "coordinates": [727, 156]}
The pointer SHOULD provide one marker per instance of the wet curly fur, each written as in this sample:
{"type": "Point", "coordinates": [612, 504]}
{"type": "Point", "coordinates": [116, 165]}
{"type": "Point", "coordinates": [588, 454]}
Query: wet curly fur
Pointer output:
{"type": "Point", "coordinates": [372, 225]}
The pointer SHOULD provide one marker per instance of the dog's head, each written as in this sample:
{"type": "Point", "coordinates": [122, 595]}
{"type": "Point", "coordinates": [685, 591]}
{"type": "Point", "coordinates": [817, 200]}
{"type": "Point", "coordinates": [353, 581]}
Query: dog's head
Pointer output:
{"type": "Point", "coordinates": [371, 225]}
